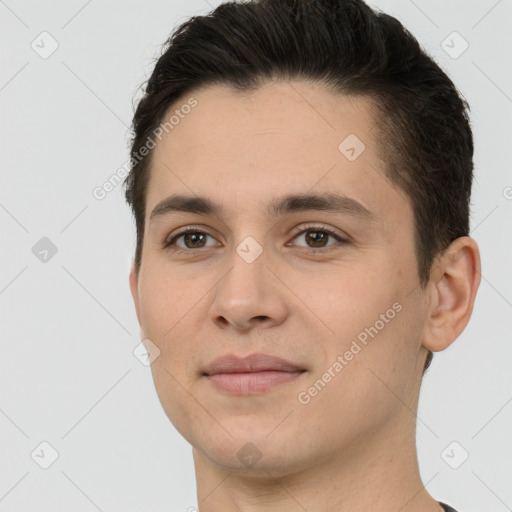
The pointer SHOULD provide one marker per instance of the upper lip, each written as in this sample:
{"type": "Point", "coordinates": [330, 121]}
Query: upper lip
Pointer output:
{"type": "Point", "coordinates": [231, 363]}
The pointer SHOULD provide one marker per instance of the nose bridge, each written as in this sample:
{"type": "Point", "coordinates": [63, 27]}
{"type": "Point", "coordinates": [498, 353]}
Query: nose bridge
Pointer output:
{"type": "Point", "coordinates": [248, 276]}
{"type": "Point", "coordinates": [248, 290]}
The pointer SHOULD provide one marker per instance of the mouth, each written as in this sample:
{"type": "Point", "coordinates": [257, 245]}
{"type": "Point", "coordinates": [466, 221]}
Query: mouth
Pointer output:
{"type": "Point", "coordinates": [250, 375]}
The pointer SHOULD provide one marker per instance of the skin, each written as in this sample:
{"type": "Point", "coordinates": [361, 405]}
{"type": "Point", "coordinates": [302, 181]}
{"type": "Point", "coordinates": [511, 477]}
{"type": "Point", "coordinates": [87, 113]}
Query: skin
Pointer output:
{"type": "Point", "coordinates": [352, 447]}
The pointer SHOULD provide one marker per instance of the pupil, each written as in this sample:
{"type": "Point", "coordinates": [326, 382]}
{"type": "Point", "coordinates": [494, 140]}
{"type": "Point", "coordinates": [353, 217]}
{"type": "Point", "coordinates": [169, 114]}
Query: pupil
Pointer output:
{"type": "Point", "coordinates": [318, 238]}
{"type": "Point", "coordinates": [194, 237]}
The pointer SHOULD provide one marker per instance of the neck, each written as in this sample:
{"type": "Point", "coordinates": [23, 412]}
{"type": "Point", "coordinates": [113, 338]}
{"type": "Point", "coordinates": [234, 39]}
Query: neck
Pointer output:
{"type": "Point", "coordinates": [379, 473]}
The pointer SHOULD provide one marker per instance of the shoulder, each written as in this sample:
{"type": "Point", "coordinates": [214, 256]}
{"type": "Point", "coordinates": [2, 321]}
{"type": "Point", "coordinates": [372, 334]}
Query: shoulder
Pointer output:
{"type": "Point", "coordinates": [447, 508]}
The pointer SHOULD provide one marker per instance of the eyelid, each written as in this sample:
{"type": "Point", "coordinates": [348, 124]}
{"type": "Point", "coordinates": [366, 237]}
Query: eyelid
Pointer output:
{"type": "Point", "coordinates": [319, 227]}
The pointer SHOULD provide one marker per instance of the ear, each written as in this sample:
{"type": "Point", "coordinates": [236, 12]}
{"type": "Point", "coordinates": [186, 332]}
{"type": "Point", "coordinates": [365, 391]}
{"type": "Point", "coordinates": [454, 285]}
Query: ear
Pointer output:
{"type": "Point", "coordinates": [134, 288]}
{"type": "Point", "coordinates": [454, 283]}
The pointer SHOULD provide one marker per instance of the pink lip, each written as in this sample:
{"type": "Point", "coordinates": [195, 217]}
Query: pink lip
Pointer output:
{"type": "Point", "coordinates": [249, 375]}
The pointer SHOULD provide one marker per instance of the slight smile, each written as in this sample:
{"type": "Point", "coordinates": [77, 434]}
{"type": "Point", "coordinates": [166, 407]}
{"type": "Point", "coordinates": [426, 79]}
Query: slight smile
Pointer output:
{"type": "Point", "coordinates": [252, 374]}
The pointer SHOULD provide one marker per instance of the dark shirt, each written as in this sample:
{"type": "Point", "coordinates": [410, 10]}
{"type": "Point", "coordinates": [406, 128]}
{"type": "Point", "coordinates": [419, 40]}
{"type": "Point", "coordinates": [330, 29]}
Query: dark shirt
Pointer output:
{"type": "Point", "coordinates": [447, 508]}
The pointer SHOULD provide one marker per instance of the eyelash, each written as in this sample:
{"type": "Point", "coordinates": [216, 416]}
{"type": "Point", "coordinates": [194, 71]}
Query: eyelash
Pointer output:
{"type": "Point", "coordinates": [168, 244]}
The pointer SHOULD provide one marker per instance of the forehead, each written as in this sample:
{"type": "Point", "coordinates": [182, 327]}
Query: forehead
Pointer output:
{"type": "Point", "coordinates": [245, 149]}
{"type": "Point", "coordinates": [298, 110]}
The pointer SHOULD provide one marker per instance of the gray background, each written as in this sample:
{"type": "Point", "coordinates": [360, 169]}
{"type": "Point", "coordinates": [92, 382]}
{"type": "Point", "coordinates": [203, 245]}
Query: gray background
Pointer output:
{"type": "Point", "coordinates": [68, 375]}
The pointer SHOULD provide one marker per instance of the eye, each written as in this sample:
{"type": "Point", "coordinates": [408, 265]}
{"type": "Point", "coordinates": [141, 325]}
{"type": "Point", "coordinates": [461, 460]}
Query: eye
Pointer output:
{"type": "Point", "coordinates": [193, 238]}
{"type": "Point", "coordinates": [316, 238]}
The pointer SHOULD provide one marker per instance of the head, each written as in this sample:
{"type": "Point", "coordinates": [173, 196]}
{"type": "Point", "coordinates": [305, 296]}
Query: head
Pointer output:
{"type": "Point", "coordinates": [274, 98]}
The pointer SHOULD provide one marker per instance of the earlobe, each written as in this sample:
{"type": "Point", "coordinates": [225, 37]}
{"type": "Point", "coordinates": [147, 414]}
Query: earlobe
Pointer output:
{"type": "Point", "coordinates": [453, 291]}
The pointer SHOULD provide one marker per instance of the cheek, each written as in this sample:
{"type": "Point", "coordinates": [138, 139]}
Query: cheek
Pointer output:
{"type": "Point", "coordinates": [166, 306]}
{"type": "Point", "coordinates": [375, 376]}
{"type": "Point", "coordinates": [367, 319]}
{"type": "Point", "coordinates": [164, 301]}
{"type": "Point", "coordinates": [349, 298]}
{"type": "Point", "coordinates": [166, 311]}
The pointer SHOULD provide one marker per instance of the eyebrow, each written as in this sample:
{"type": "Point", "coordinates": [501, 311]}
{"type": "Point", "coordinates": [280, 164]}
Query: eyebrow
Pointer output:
{"type": "Point", "coordinates": [293, 203]}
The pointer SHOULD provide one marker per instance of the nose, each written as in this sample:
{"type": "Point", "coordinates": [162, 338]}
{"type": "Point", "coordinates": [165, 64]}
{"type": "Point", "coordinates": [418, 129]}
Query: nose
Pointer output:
{"type": "Point", "coordinates": [249, 295]}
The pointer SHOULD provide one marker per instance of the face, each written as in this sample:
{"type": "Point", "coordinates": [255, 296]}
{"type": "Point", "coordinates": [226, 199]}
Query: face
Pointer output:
{"type": "Point", "coordinates": [330, 287]}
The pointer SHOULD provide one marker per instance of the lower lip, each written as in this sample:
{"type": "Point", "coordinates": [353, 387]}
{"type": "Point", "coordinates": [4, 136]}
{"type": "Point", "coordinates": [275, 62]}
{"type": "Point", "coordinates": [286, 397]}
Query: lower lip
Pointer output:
{"type": "Point", "coordinates": [250, 383]}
